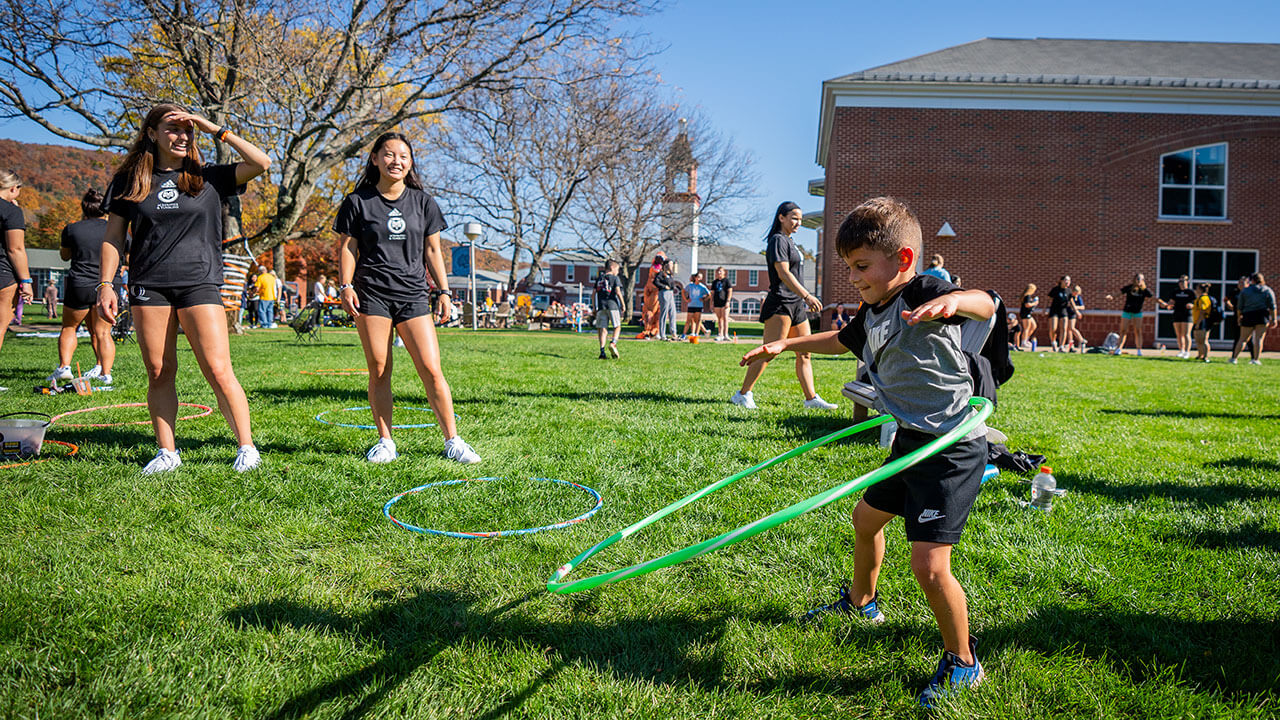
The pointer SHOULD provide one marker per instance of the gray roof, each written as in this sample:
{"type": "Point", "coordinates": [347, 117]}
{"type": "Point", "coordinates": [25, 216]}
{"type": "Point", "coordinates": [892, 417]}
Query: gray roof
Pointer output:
{"type": "Point", "coordinates": [1050, 61]}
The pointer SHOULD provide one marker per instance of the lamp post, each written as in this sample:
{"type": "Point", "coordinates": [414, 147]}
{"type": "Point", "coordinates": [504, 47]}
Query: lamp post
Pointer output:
{"type": "Point", "coordinates": [472, 231]}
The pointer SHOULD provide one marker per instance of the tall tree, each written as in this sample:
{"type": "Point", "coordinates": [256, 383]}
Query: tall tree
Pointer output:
{"type": "Point", "coordinates": [517, 160]}
{"type": "Point", "coordinates": [313, 82]}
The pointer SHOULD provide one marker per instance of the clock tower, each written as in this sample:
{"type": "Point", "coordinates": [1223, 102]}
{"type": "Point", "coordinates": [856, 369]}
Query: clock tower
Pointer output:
{"type": "Point", "coordinates": [680, 203]}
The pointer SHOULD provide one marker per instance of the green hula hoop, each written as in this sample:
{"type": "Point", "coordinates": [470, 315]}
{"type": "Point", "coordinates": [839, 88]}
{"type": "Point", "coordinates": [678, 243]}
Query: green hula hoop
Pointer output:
{"type": "Point", "coordinates": [556, 584]}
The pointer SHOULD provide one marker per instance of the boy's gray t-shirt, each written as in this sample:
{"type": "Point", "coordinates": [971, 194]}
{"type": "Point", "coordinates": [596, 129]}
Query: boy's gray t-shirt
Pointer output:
{"type": "Point", "coordinates": [919, 371]}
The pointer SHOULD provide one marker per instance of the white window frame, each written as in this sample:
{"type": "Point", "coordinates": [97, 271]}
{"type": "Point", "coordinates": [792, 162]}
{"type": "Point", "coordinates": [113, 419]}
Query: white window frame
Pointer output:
{"type": "Point", "coordinates": [732, 277]}
{"type": "Point", "coordinates": [1161, 184]}
{"type": "Point", "coordinates": [753, 278]}
{"type": "Point", "coordinates": [751, 306]}
{"type": "Point", "coordinates": [568, 272]}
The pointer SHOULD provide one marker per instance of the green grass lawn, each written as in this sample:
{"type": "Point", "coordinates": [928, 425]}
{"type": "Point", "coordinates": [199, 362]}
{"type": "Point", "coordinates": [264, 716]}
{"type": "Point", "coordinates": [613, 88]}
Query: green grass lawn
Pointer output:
{"type": "Point", "coordinates": [1152, 589]}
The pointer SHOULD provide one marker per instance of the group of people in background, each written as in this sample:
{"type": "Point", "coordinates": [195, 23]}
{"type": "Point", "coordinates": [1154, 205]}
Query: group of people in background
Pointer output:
{"type": "Point", "coordinates": [658, 312]}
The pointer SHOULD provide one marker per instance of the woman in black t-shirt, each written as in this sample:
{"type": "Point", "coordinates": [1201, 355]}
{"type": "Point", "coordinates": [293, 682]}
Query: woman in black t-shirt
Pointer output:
{"type": "Point", "coordinates": [170, 203]}
{"type": "Point", "coordinates": [1059, 300]}
{"type": "Point", "coordinates": [721, 296]}
{"type": "Point", "coordinates": [15, 279]}
{"type": "Point", "coordinates": [1135, 296]}
{"type": "Point", "coordinates": [785, 311]}
{"type": "Point", "coordinates": [1183, 298]}
{"type": "Point", "coordinates": [1025, 311]}
{"type": "Point", "coordinates": [82, 245]}
{"type": "Point", "coordinates": [388, 233]}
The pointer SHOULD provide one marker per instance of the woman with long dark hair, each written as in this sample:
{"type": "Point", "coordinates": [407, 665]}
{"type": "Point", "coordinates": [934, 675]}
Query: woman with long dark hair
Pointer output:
{"type": "Point", "coordinates": [785, 311]}
{"type": "Point", "coordinates": [82, 245]}
{"type": "Point", "coordinates": [170, 203]}
{"type": "Point", "coordinates": [15, 277]}
{"type": "Point", "coordinates": [388, 242]}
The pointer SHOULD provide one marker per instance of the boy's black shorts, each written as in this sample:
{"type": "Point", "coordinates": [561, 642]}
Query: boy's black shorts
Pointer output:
{"type": "Point", "coordinates": [933, 497]}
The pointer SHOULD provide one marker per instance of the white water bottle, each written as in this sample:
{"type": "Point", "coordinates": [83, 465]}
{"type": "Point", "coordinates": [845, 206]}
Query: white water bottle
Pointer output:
{"type": "Point", "coordinates": [1043, 488]}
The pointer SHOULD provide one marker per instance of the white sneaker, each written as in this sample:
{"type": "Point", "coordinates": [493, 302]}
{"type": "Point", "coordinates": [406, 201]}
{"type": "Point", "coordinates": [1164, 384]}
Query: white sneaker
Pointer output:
{"type": "Point", "coordinates": [247, 458]}
{"type": "Point", "coordinates": [746, 400]}
{"type": "Point", "coordinates": [61, 373]}
{"type": "Point", "coordinates": [817, 403]}
{"type": "Point", "coordinates": [1232, 361]}
{"type": "Point", "coordinates": [94, 372]}
{"type": "Point", "coordinates": [399, 342]}
{"type": "Point", "coordinates": [1255, 362]}
{"type": "Point", "coordinates": [164, 461]}
{"type": "Point", "coordinates": [382, 452]}
{"type": "Point", "coordinates": [105, 379]}
{"type": "Point", "coordinates": [455, 448]}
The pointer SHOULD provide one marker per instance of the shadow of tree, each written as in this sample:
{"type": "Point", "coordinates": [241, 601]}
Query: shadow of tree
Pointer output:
{"type": "Point", "coordinates": [1244, 463]}
{"type": "Point", "coordinates": [1187, 414]}
{"type": "Point", "coordinates": [1218, 493]}
{"type": "Point", "coordinates": [1253, 535]}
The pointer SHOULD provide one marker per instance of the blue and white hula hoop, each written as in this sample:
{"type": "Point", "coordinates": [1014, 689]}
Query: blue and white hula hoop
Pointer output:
{"type": "Point", "coordinates": [386, 510]}
{"type": "Point", "coordinates": [320, 417]}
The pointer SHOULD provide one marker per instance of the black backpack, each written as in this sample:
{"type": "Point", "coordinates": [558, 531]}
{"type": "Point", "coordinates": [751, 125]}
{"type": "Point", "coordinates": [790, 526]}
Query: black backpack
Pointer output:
{"type": "Point", "coordinates": [992, 367]}
{"type": "Point", "coordinates": [1214, 315]}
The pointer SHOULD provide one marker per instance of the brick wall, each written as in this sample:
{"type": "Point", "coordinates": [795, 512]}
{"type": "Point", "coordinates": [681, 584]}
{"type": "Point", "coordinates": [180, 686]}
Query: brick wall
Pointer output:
{"type": "Point", "coordinates": [1034, 195]}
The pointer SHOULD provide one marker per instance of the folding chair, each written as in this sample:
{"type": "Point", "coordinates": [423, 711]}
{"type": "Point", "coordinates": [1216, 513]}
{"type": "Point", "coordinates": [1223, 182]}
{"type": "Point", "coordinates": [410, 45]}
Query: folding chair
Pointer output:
{"type": "Point", "coordinates": [307, 323]}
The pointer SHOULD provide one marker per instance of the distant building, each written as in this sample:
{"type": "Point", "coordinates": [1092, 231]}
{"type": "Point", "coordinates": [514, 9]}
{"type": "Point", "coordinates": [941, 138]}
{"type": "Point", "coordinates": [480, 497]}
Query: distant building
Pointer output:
{"type": "Point", "coordinates": [1092, 158]}
{"type": "Point", "coordinates": [46, 266]}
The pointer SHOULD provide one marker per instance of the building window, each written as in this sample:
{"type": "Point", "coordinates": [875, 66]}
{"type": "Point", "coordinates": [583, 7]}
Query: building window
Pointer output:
{"type": "Point", "coordinates": [733, 305]}
{"type": "Point", "coordinates": [753, 278]}
{"type": "Point", "coordinates": [732, 277]}
{"type": "Point", "coordinates": [593, 273]}
{"type": "Point", "coordinates": [568, 273]}
{"type": "Point", "coordinates": [1193, 183]}
{"type": "Point", "coordinates": [1219, 268]}
{"type": "Point", "coordinates": [751, 306]}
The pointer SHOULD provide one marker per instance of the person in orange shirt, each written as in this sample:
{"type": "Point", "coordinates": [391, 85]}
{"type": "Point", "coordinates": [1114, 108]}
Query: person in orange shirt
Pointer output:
{"type": "Point", "coordinates": [267, 296]}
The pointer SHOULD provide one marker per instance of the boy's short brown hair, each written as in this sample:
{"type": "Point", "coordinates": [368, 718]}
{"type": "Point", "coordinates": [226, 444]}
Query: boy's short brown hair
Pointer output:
{"type": "Point", "coordinates": [881, 223]}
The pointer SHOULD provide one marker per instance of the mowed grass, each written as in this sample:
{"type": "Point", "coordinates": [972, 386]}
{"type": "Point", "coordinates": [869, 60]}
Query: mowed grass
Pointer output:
{"type": "Point", "coordinates": [1152, 589]}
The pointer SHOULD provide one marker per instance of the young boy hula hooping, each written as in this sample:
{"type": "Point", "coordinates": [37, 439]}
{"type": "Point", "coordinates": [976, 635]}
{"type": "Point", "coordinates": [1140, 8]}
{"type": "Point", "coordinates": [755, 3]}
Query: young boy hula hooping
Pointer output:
{"type": "Point", "coordinates": [388, 240]}
{"type": "Point", "coordinates": [82, 245]}
{"type": "Point", "coordinates": [171, 205]}
{"type": "Point", "coordinates": [908, 333]}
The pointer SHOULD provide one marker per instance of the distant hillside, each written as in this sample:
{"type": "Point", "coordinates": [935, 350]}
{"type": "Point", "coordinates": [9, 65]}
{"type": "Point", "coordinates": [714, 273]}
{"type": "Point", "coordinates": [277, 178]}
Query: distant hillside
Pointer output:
{"type": "Point", "coordinates": [53, 179]}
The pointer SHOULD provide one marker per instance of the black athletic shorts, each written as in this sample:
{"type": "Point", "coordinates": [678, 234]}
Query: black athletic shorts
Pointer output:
{"type": "Point", "coordinates": [175, 297]}
{"type": "Point", "coordinates": [796, 309]}
{"type": "Point", "coordinates": [1058, 313]}
{"type": "Point", "coordinates": [935, 496]}
{"type": "Point", "coordinates": [1254, 318]}
{"type": "Point", "coordinates": [692, 309]}
{"type": "Point", "coordinates": [79, 297]}
{"type": "Point", "coordinates": [397, 310]}
{"type": "Point", "coordinates": [1182, 317]}
{"type": "Point", "coordinates": [7, 277]}
{"type": "Point", "coordinates": [1024, 314]}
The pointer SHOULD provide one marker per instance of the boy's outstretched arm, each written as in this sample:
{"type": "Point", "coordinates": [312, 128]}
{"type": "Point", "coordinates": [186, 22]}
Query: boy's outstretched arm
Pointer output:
{"type": "Point", "coordinates": [825, 343]}
{"type": "Point", "coordinates": [973, 304]}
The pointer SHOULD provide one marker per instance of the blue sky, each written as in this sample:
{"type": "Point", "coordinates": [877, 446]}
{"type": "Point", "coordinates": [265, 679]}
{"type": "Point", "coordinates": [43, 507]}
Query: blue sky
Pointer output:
{"type": "Point", "coordinates": [756, 68]}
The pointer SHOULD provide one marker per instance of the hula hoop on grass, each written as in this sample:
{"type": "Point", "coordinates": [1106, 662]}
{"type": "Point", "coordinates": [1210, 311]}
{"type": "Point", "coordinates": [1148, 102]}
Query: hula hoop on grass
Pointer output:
{"type": "Point", "coordinates": [56, 418]}
{"type": "Point", "coordinates": [556, 585]}
{"type": "Point", "coordinates": [336, 371]}
{"type": "Point", "coordinates": [386, 510]}
{"type": "Point", "coordinates": [74, 449]}
{"type": "Point", "coordinates": [320, 417]}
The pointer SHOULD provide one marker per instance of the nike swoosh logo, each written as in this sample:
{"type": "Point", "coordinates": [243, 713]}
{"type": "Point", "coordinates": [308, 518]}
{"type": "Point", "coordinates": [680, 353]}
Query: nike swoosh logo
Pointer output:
{"type": "Point", "coordinates": [929, 516]}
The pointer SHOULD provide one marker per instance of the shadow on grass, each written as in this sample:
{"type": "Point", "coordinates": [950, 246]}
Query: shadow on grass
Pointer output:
{"type": "Point", "coordinates": [609, 396]}
{"type": "Point", "coordinates": [1187, 414]}
{"type": "Point", "coordinates": [1236, 656]}
{"type": "Point", "coordinates": [411, 632]}
{"type": "Point", "coordinates": [1253, 535]}
{"type": "Point", "coordinates": [1205, 494]}
{"type": "Point", "coordinates": [1244, 463]}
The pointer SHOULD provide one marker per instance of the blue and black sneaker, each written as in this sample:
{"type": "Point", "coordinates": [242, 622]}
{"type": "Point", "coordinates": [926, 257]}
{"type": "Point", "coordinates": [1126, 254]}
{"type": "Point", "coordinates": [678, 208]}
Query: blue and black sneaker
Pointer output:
{"type": "Point", "coordinates": [844, 606]}
{"type": "Point", "coordinates": [952, 676]}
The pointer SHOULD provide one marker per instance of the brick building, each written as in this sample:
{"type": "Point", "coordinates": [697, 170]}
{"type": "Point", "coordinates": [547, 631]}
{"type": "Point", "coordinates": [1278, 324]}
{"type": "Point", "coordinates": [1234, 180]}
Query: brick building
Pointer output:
{"type": "Point", "coordinates": [1092, 158]}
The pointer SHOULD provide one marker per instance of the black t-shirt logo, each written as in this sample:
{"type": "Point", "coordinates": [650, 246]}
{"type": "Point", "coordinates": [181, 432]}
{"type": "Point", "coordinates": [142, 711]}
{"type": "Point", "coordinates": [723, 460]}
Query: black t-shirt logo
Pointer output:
{"type": "Point", "coordinates": [396, 222]}
{"type": "Point", "coordinates": [168, 192]}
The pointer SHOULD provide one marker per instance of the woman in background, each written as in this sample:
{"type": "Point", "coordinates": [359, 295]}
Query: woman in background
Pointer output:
{"type": "Point", "coordinates": [82, 245]}
{"type": "Point", "coordinates": [15, 277]}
